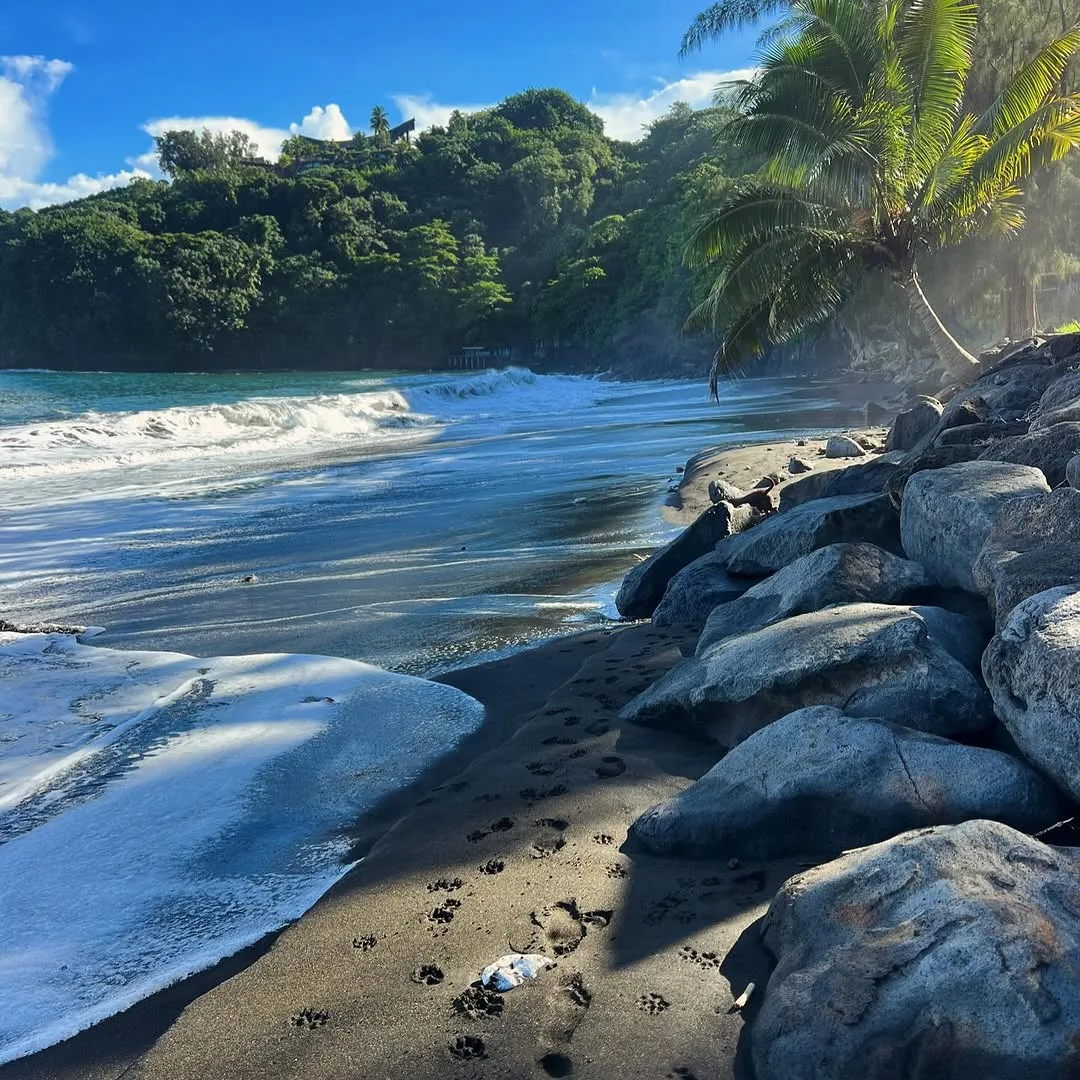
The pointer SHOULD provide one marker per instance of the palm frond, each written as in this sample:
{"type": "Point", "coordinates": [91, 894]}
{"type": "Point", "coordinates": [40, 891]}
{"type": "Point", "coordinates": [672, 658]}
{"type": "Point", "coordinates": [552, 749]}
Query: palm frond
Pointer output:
{"type": "Point", "coordinates": [1030, 86]}
{"type": "Point", "coordinates": [935, 49]}
{"type": "Point", "coordinates": [727, 15]}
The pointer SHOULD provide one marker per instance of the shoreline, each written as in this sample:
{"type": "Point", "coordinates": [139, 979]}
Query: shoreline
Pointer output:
{"type": "Point", "coordinates": [526, 696]}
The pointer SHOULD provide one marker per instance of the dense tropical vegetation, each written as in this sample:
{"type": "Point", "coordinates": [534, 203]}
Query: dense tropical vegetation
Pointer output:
{"type": "Point", "coordinates": [523, 225]}
{"type": "Point", "coordinates": [516, 226]}
{"type": "Point", "coordinates": [869, 162]}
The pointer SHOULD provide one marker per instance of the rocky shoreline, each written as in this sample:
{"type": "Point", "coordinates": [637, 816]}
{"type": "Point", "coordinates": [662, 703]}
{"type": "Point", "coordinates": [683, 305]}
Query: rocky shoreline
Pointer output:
{"type": "Point", "coordinates": [807, 817]}
{"type": "Point", "coordinates": [891, 663]}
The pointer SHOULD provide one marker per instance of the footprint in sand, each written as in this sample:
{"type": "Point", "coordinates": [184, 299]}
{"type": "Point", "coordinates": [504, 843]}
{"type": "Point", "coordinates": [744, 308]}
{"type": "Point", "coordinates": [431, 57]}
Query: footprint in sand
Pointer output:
{"type": "Point", "coordinates": [553, 823]}
{"type": "Point", "coordinates": [443, 915]}
{"type": "Point", "coordinates": [559, 740]}
{"type": "Point", "coordinates": [442, 885]}
{"type": "Point", "coordinates": [467, 1047]}
{"type": "Point", "coordinates": [493, 867]}
{"type": "Point", "coordinates": [616, 870]}
{"type": "Point", "coordinates": [541, 768]}
{"type": "Point", "coordinates": [603, 839]}
{"type": "Point", "coordinates": [598, 727]}
{"type": "Point", "coordinates": [309, 1019]}
{"type": "Point", "coordinates": [610, 767]}
{"type": "Point", "coordinates": [427, 975]}
{"type": "Point", "coordinates": [566, 1007]}
{"type": "Point", "coordinates": [534, 795]}
{"type": "Point", "coordinates": [653, 1004]}
{"type": "Point", "coordinates": [707, 961]}
{"type": "Point", "coordinates": [545, 848]}
{"type": "Point", "coordinates": [477, 1002]}
{"type": "Point", "coordinates": [560, 929]}
{"type": "Point", "coordinates": [365, 943]}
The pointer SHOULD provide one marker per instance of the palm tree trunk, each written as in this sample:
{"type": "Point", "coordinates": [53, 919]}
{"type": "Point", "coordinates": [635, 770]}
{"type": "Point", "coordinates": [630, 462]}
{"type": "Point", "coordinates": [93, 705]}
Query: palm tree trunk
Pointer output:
{"type": "Point", "coordinates": [1021, 309]}
{"type": "Point", "coordinates": [956, 359]}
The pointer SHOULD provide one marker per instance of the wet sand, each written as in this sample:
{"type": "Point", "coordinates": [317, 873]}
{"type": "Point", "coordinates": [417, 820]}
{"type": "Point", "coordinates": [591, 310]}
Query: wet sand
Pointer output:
{"type": "Point", "coordinates": [517, 841]}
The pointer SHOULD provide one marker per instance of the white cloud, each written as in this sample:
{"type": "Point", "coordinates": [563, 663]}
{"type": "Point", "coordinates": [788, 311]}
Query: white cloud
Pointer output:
{"type": "Point", "coordinates": [15, 192]}
{"type": "Point", "coordinates": [626, 115]}
{"type": "Point", "coordinates": [428, 113]}
{"type": "Point", "coordinates": [26, 83]}
{"type": "Point", "coordinates": [320, 123]}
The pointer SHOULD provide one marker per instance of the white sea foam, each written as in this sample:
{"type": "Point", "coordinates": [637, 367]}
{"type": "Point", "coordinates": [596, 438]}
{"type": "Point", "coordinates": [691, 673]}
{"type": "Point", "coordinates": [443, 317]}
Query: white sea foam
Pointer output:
{"type": "Point", "coordinates": [97, 441]}
{"type": "Point", "coordinates": [376, 417]}
{"type": "Point", "coordinates": [164, 812]}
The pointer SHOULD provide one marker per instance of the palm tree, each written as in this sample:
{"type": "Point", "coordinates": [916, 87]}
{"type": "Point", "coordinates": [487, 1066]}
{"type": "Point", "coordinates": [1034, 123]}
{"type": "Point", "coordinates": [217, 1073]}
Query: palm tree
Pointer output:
{"type": "Point", "coordinates": [380, 123]}
{"type": "Point", "coordinates": [869, 161]}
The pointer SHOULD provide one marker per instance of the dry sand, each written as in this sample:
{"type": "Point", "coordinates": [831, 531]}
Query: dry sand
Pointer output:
{"type": "Point", "coordinates": [745, 465]}
{"type": "Point", "coordinates": [516, 841]}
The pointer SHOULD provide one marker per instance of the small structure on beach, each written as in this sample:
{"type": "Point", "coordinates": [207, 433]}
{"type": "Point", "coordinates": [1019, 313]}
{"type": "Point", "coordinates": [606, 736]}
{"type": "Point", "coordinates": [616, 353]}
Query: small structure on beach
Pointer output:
{"type": "Point", "coordinates": [477, 357]}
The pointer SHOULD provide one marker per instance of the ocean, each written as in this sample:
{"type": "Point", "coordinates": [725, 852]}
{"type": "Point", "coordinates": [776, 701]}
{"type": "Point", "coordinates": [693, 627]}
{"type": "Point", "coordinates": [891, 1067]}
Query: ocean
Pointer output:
{"type": "Point", "coordinates": [274, 562]}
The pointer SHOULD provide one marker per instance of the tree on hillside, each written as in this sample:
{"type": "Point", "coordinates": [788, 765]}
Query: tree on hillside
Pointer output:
{"type": "Point", "coordinates": [182, 152]}
{"type": "Point", "coordinates": [380, 123]}
{"type": "Point", "coordinates": [870, 161]}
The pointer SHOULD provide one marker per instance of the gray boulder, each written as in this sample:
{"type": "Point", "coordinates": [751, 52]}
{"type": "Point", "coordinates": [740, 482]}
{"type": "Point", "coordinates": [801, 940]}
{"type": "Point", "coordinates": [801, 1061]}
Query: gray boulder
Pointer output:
{"type": "Point", "coordinates": [843, 446]}
{"type": "Point", "coordinates": [1062, 391]}
{"type": "Point", "coordinates": [1032, 547]}
{"type": "Point", "coordinates": [868, 479]}
{"type": "Point", "coordinates": [1020, 574]}
{"type": "Point", "coordinates": [783, 538]}
{"type": "Point", "coordinates": [643, 588]}
{"type": "Point", "coordinates": [1047, 449]}
{"type": "Point", "coordinates": [694, 592]}
{"type": "Point", "coordinates": [820, 781]}
{"type": "Point", "coordinates": [867, 659]}
{"type": "Point", "coordinates": [837, 574]}
{"type": "Point", "coordinates": [913, 425]}
{"type": "Point", "coordinates": [797, 465]}
{"type": "Point", "coordinates": [935, 457]}
{"type": "Point", "coordinates": [1063, 414]}
{"type": "Point", "coordinates": [1072, 471]}
{"type": "Point", "coordinates": [945, 953]}
{"type": "Point", "coordinates": [980, 434]}
{"type": "Point", "coordinates": [947, 514]}
{"type": "Point", "coordinates": [1032, 668]}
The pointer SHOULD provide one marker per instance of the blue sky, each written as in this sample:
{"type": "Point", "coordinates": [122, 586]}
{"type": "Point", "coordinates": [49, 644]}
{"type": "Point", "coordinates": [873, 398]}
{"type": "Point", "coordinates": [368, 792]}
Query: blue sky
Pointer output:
{"type": "Point", "coordinates": [83, 86]}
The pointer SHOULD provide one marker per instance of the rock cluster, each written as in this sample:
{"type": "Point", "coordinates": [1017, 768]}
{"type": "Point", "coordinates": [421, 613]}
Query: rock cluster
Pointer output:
{"type": "Point", "coordinates": [861, 652]}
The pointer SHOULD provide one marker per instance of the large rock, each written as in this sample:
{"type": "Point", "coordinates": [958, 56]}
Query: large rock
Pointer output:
{"type": "Point", "coordinates": [1032, 547]}
{"type": "Point", "coordinates": [868, 479]}
{"type": "Point", "coordinates": [981, 434]}
{"type": "Point", "coordinates": [837, 574]}
{"type": "Point", "coordinates": [1032, 668]}
{"type": "Point", "coordinates": [783, 538]}
{"type": "Point", "coordinates": [1063, 414]}
{"type": "Point", "coordinates": [1072, 471]}
{"type": "Point", "coordinates": [1018, 575]}
{"type": "Point", "coordinates": [843, 446]}
{"type": "Point", "coordinates": [820, 781]}
{"type": "Point", "coordinates": [1047, 449]}
{"type": "Point", "coordinates": [942, 954]}
{"type": "Point", "coordinates": [694, 592]}
{"type": "Point", "coordinates": [935, 457]}
{"type": "Point", "coordinates": [947, 514]}
{"type": "Point", "coordinates": [1062, 391]}
{"type": "Point", "coordinates": [643, 588]}
{"type": "Point", "coordinates": [914, 425]}
{"type": "Point", "coordinates": [867, 659]}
